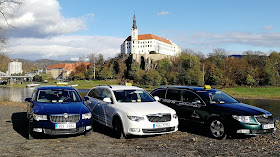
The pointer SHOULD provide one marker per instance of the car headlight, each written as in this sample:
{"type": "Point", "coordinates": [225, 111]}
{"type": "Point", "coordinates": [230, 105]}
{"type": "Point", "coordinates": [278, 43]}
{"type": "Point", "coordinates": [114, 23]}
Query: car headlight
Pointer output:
{"type": "Point", "coordinates": [86, 115]}
{"type": "Point", "coordinates": [175, 116]}
{"type": "Point", "coordinates": [135, 118]}
{"type": "Point", "coordinates": [39, 117]}
{"type": "Point", "coordinates": [244, 119]}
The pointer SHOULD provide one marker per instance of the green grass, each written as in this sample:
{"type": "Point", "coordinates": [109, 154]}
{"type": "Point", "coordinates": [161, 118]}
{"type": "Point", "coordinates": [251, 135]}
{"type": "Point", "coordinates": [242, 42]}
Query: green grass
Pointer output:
{"type": "Point", "coordinates": [82, 84]}
{"type": "Point", "coordinates": [254, 92]}
{"type": "Point", "coordinates": [268, 92]}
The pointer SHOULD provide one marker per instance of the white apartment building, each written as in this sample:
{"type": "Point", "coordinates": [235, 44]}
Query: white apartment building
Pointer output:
{"type": "Point", "coordinates": [148, 44]}
{"type": "Point", "coordinates": [14, 67]}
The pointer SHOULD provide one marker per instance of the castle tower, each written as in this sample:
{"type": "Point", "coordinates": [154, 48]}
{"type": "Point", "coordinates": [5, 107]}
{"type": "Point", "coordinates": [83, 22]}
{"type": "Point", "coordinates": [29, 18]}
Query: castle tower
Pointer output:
{"type": "Point", "coordinates": [134, 36]}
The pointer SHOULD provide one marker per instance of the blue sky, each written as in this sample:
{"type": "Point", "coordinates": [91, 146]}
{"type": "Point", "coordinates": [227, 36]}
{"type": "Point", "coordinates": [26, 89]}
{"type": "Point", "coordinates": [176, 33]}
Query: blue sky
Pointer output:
{"type": "Point", "coordinates": [68, 29]}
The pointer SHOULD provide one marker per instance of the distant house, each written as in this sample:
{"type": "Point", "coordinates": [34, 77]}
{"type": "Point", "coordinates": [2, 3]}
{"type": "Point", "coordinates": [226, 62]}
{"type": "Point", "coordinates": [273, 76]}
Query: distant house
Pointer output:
{"type": "Point", "coordinates": [62, 71]}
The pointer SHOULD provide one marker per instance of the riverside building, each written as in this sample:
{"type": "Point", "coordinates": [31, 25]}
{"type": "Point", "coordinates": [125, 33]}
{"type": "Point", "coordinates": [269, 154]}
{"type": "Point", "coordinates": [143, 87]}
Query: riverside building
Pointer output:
{"type": "Point", "coordinates": [148, 45]}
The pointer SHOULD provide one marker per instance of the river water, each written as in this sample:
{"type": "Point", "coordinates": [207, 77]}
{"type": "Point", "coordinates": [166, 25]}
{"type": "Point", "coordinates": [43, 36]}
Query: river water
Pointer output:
{"type": "Point", "coordinates": [19, 94]}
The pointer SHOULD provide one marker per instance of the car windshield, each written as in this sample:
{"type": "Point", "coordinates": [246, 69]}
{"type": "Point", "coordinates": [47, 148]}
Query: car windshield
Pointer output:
{"type": "Point", "coordinates": [58, 96]}
{"type": "Point", "coordinates": [133, 96]}
{"type": "Point", "coordinates": [216, 97]}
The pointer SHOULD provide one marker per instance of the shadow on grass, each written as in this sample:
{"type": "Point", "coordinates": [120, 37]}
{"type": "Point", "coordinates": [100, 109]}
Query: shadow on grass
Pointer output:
{"type": "Point", "coordinates": [20, 123]}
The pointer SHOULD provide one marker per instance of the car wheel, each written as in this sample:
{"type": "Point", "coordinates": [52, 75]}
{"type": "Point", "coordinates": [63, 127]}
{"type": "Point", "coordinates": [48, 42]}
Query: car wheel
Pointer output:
{"type": "Point", "coordinates": [217, 129]}
{"type": "Point", "coordinates": [118, 129]}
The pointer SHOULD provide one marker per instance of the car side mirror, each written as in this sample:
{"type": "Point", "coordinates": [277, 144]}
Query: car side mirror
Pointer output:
{"type": "Point", "coordinates": [156, 98]}
{"type": "Point", "coordinates": [108, 100]}
{"type": "Point", "coordinates": [28, 99]}
{"type": "Point", "coordinates": [86, 98]}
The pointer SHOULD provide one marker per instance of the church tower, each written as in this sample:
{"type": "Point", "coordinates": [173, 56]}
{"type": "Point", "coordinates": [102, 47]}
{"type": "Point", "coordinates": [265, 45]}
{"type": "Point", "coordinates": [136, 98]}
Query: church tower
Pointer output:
{"type": "Point", "coordinates": [134, 36]}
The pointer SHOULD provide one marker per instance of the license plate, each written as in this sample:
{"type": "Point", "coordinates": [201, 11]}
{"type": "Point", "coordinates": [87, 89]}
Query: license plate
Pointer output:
{"type": "Point", "coordinates": [161, 125]}
{"type": "Point", "coordinates": [268, 126]}
{"type": "Point", "coordinates": [65, 126]}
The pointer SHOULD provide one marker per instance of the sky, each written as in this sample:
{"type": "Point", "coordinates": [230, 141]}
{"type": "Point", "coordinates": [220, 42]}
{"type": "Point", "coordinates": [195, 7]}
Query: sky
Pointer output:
{"type": "Point", "coordinates": [69, 29]}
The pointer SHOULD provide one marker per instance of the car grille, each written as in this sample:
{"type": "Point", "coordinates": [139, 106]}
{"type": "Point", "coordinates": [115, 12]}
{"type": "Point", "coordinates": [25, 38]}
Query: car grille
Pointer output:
{"type": "Point", "coordinates": [64, 131]}
{"type": "Point", "coordinates": [265, 120]}
{"type": "Point", "coordinates": [159, 117]}
{"type": "Point", "coordinates": [158, 130]}
{"type": "Point", "coordinates": [65, 118]}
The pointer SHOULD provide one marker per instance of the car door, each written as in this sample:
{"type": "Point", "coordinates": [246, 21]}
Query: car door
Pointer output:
{"type": "Point", "coordinates": [94, 104]}
{"type": "Point", "coordinates": [107, 107]}
{"type": "Point", "coordinates": [172, 99]}
{"type": "Point", "coordinates": [193, 106]}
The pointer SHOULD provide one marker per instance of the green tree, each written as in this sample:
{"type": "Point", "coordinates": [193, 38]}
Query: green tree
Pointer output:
{"type": "Point", "coordinates": [107, 71]}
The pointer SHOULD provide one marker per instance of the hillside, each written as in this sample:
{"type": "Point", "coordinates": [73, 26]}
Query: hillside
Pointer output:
{"type": "Point", "coordinates": [4, 60]}
{"type": "Point", "coordinates": [27, 65]}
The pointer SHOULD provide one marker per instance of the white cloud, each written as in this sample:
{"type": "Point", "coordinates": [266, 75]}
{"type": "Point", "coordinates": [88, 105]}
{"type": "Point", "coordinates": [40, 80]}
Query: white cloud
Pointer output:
{"type": "Point", "coordinates": [235, 41]}
{"type": "Point", "coordinates": [163, 13]}
{"type": "Point", "coordinates": [37, 18]}
{"type": "Point", "coordinates": [269, 27]}
{"type": "Point", "coordinates": [64, 47]}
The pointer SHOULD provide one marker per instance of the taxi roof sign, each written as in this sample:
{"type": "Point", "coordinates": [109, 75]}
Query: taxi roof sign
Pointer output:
{"type": "Point", "coordinates": [128, 84]}
{"type": "Point", "coordinates": [207, 87]}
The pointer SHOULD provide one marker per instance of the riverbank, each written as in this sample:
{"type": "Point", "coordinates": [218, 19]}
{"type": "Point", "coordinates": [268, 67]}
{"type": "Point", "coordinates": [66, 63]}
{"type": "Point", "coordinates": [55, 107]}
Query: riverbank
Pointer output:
{"type": "Point", "coordinates": [254, 92]}
{"type": "Point", "coordinates": [185, 142]}
{"type": "Point", "coordinates": [267, 92]}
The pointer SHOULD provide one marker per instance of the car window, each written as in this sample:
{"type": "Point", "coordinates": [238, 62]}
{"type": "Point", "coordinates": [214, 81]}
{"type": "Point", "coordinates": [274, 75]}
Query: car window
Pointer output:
{"type": "Point", "coordinates": [58, 96]}
{"type": "Point", "coordinates": [96, 93]}
{"type": "Point", "coordinates": [190, 97]}
{"type": "Point", "coordinates": [132, 96]}
{"type": "Point", "coordinates": [106, 94]}
{"type": "Point", "coordinates": [173, 94]}
{"type": "Point", "coordinates": [216, 96]}
{"type": "Point", "coordinates": [160, 93]}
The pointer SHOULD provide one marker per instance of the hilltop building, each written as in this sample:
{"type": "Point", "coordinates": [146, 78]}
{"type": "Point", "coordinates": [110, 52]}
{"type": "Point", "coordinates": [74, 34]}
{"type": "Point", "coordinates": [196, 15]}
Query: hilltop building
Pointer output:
{"type": "Point", "coordinates": [14, 67]}
{"type": "Point", "coordinates": [62, 71]}
{"type": "Point", "coordinates": [148, 45]}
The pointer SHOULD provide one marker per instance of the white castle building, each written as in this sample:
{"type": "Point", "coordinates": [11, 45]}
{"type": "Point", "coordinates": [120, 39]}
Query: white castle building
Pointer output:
{"type": "Point", "coordinates": [14, 67]}
{"type": "Point", "coordinates": [148, 44]}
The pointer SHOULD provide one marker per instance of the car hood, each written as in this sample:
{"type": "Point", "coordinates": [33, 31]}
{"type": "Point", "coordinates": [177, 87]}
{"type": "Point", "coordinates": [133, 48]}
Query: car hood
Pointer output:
{"type": "Point", "coordinates": [144, 108]}
{"type": "Point", "coordinates": [60, 108]}
{"type": "Point", "coordinates": [241, 109]}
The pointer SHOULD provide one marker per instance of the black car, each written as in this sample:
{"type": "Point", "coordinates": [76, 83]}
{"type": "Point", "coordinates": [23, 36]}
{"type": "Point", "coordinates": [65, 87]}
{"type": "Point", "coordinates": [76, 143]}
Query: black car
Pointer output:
{"type": "Point", "coordinates": [57, 110]}
{"type": "Point", "coordinates": [219, 112]}
{"type": "Point", "coordinates": [4, 82]}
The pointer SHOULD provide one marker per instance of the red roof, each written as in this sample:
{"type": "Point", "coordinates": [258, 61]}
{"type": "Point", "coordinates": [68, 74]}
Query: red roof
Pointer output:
{"type": "Point", "coordinates": [67, 66]}
{"type": "Point", "coordinates": [150, 36]}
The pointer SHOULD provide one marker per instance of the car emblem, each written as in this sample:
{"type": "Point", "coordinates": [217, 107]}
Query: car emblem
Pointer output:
{"type": "Point", "coordinates": [65, 115]}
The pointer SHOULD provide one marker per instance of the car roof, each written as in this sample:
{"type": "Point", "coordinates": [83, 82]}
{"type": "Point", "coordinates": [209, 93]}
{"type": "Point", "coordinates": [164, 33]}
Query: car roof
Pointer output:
{"type": "Point", "coordinates": [119, 87]}
{"type": "Point", "coordinates": [184, 87]}
{"type": "Point", "coordinates": [56, 88]}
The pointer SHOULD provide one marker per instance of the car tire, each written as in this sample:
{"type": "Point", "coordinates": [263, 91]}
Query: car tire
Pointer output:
{"type": "Point", "coordinates": [217, 129]}
{"type": "Point", "coordinates": [118, 129]}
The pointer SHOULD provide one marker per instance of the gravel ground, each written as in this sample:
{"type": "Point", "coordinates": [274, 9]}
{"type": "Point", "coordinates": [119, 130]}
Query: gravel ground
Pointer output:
{"type": "Point", "coordinates": [185, 142]}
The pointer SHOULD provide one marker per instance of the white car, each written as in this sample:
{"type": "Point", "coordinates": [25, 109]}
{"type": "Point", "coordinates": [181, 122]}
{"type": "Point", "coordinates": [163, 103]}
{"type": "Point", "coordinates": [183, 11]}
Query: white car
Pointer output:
{"type": "Point", "coordinates": [130, 110]}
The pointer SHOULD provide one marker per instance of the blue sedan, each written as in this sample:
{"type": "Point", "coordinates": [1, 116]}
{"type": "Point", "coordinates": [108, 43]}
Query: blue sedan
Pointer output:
{"type": "Point", "coordinates": [57, 110]}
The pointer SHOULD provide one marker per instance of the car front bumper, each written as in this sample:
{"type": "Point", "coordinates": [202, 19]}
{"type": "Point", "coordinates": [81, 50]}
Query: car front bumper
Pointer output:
{"type": "Point", "coordinates": [150, 128]}
{"type": "Point", "coordinates": [48, 128]}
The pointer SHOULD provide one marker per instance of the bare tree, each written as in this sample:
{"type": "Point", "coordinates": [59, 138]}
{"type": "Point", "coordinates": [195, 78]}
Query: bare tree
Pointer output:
{"type": "Point", "coordinates": [7, 8]}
